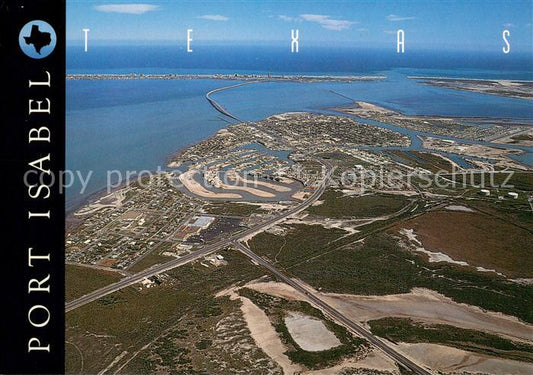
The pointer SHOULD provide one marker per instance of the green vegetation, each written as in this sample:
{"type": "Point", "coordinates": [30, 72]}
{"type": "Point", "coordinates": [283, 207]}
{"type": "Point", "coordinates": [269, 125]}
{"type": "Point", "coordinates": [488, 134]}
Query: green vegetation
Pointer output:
{"type": "Point", "coordinates": [170, 354]}
{"type": "Point", "coordinates": [232, 209]}
{"type": "Point", "coordinates": [175, 315]}
{"type": "Point", "coordinates": [211, 307]}
{"type": "Point", "coordinates": [342, 161]}
{"type": "Point", "coordinates": [380, 266]}
{"type": "Point", "coordinates": [82, 280]}
{"type": "Point", "coordinates": [338, 206]}
{"type": "Point", "coordinates": [301, 241]}
{"type": "Point", "coordinates": [406, 330]}
{"type": "Point", "coordinates": [149, 261]}
{"type": "Point", "coordinates": [276, 308]}
{"type": "Point", "coordinates": [334, 262]}
{"type": "Point", "coordinates": [311, 166]}
{"type": "Point", "coordinates": [203, 344]}
{"type": "Point", "coordinates": [363, 371]}
{"type": "Point", "coordinates": [347, 160]}
{"type": "Point", "coordinates": [446, 187]}
{"type": "Point", "coordinates": [73, 358]}
{"type": "Point", "coordinates": [515, 211]}
{"type": "Point", "coordinates": [520, 181]}
{"type": "Point", "coordinates": [152, 258]}
{"type": "Point", "coordinates": [522, 137]}
{"type": "Point", "coordinates": [404, 370]}
{"type": "Point", "coordinates": [479, 239]}
{"type": "Point", "coordinates": [433, 163]}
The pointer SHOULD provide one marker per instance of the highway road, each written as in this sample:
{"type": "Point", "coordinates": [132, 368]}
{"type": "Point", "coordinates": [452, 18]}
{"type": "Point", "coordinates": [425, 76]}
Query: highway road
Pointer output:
{"type": "Point", "coordinates": [332, 312]}
{"type": "Point", "coordinates": [206, 250]}
{"type": "Point", "coordinates": [130, 280]}
{"type": "Point", "coordinates": [217, 106]}
{"type": "Point", "coordinates": [234, 240]}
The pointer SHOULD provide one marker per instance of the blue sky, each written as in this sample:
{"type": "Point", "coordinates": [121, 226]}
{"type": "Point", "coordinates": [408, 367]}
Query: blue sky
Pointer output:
{"type": "Point", "coordinates": [447, 25]}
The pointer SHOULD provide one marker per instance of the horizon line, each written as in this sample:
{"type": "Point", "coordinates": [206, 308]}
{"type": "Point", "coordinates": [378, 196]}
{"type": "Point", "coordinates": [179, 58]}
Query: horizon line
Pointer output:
{"type": "Point", "coordinates": [283, 45]}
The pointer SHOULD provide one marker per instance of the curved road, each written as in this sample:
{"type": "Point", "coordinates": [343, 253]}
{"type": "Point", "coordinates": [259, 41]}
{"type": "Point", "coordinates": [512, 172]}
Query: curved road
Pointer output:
{"type": "Point", "coordinates": [234, 240]}
{"type": "Point", "coordinates": [208, 249]}
{"type": "Point", "coordinates": [217, 106]}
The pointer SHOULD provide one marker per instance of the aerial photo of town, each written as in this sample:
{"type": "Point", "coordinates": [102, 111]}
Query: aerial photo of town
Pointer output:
{"type": "Point", "coordinates": [383, 226]}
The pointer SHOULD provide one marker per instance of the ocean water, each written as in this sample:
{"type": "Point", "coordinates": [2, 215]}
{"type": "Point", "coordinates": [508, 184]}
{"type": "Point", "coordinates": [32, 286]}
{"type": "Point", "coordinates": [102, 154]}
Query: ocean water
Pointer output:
{"type": "Point", "coordinates": [256, 101]}
{"type": "Point", "coordinates": [313, 60]}
{"type": "Point", "coordinates": [135, 125]}
{"type": "Point", "coordinates": [132, 126]}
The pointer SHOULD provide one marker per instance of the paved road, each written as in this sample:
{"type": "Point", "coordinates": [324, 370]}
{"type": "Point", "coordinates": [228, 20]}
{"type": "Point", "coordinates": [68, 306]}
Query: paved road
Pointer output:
{"type": "Point", "coordinates": [206, 250]}
{"type": "Point", "coordinates": [185, 220]}
{"type": "Point", "coordinates": [335, 314]}
{"type": "Point", "coordinates": [127, 281]}
{"type": "Point", "coordinates": [217, 106]}
{"type": "Point", "coordinates": [234, 240]}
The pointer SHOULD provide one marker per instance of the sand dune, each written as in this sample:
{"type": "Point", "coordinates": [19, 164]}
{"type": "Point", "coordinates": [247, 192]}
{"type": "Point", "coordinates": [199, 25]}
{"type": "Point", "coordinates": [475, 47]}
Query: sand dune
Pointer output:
{"type": "Point", "coordinates": [420, 304]}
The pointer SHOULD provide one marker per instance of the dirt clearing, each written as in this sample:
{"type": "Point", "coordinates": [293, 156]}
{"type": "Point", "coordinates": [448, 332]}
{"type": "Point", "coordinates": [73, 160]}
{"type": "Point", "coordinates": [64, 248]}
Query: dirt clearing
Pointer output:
{"type": "Point", "coordinates": [420, 304]}
{"type": "Point", "coordinates": [309, 333]}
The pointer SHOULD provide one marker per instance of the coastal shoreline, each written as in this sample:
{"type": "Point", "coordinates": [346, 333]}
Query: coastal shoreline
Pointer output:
{"type": "Point", "coordinates": [229, 77]}
{"type": "Point", "coordinates": [511, 88]}
{"type": "Point", "coordinates": [255, 78]}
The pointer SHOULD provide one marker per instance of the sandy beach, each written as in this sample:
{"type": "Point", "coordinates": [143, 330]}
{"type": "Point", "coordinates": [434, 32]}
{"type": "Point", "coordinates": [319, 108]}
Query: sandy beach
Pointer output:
{"type": "Point", "coordinates": [187, 179]}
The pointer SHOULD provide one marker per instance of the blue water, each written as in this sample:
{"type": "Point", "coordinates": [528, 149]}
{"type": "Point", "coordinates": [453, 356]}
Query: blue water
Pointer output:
{"type": "Point", "coordinates": [280, 154]}
{"type": "Point", "coordinates": [135, 125]}
{"type": "Point", "coordinates": [313, 60]}
{"type": "Point", "coordinates": [132, 125]}
{"type": "Point", "coordinates": [256, 101]}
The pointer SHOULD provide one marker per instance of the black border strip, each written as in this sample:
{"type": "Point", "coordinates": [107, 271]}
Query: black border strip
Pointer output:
{"type": "Point", "coordinates": [19, 233]}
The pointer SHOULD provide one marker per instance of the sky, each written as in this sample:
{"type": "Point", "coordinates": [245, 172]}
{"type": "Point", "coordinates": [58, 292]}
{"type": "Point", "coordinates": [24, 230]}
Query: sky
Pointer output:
{"type": "Point", "coordinates": [474, 25]}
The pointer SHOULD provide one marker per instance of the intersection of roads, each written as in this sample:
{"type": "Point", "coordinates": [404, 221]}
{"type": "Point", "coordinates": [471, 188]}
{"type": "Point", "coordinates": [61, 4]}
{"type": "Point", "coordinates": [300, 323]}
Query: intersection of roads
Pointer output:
{"type": "Point", "coordinates": [235, 241]}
